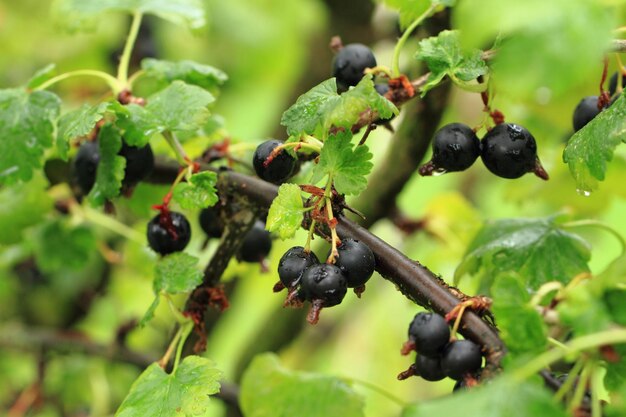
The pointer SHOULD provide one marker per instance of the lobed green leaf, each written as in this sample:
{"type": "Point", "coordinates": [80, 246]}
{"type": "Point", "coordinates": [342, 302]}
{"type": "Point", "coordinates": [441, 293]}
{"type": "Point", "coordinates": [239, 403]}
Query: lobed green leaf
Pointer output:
{"type": "Point", "coordinates": [111, 167]}
{"type": "Point", "coordinates": [76, 124]}
{"type": "Point", "coordinates": [190, 72]}
{"type": "Point", "coordinates": [177, 273]}
{"type": "Point", "coordinates": [26, 128]}
{"type": "Point", "coordinates": [58, 246]}
{"type": "Point", "coordinates": [286, 212]}
{"type": "Point", "coordinates": [198, 192]}
{"type": "Point", "coordinates": [184, 392]}
{"type": "Point", "coordinates": [268, 389]}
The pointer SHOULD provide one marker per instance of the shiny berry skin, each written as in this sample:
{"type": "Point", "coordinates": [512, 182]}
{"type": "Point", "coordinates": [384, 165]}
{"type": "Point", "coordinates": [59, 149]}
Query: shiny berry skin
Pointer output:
{"type": "Point", "coordinates": [509, 151]}
{"type": "Point", "coordinates": [455, 147]}
{"type": "Point", "coordinates": [168, 232]}
{"type": "Point", "coordinates": [86, 165]}
{"type": "Point", "coordinates": [460, 358]}
{"type": "Point", "coordinates": [257, 244]}
{"type": "Point", "coordinates": [139, 163]}
{"type": "Point", "coordinates": [430, 333]}
{"type": "Point", "coordinates": [349, 64]}
{"type": "Point", "coordinates": [586, 111]}
{"type": "Point", "coordinates": [356, 262]}
{"type": "Point", "coordinates": [293, 264]}
{"type": "Point", "coordinates": [210, 222]}
{"type": "Point", "coordinates": [429, 368]}
{"type": "Point", "coordinates": [324, 282]}
{"type": "Point", "coordinates": [281, 166]}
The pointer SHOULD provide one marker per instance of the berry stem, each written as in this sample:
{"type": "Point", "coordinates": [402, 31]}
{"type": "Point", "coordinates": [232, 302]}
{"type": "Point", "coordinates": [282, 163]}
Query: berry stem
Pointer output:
{"type": "Point", "coordinates": [597, 381]}
{"type": "Point", "coordinates": [185, 332]}
{"type": "Point", "coordinates": [100, 219]}
{"type": "Point", "coordinates": [296, 146]}
{"type": "Point", "coordinates": [307, 246]}
{"type": "Point", "coordinates": [170, 349]}
{"type": "Point", "coordinates": [135, 77]}
{"type": "Point", "coordinates": [569, 381]}
{"type": "Point", "coordinates": [579, 344]}
{"type": "Point", "coordinates": [396, 52]}
{"type": "Point", "coordinates": [122, 70]}
{"type": "Point", "coordinates": [581, 386]}
{"type": "Point", "coordinates": [377, 389]}
{"type": "Point", "coordinates": [113, 83]}
{"type": "Point", "coordinates": [171, 140]}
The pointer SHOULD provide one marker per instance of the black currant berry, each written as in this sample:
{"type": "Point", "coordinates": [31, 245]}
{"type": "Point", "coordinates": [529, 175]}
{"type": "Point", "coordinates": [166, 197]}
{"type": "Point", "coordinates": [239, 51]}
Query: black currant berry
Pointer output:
{"type": "Point", "coordinates": [455, 147]}
{"type": "Point", "coordinates": [324, 282]}
{"type": "Point", "coordinates": [460, 358]}
{"type": "Point", "coordinates": [139, 163]}
{"type": "Point", "coordinates": [211, 223]}
{"type": "Point", "coordinates": [356, 262]}
{"type": "Point", "coordinates": [169, 232]}
{"type": "Point", "coordinates": [293, 264]}
{"type": "Point", "coordinates": [613, 83]}
{"type": "Point", "coordinates": [279, 169]}
{"type": "Point", "coordinates": [429, 368]}
{"type": "Point", "coordinates": [381, 88]}
{"type": "Point", "coordinates": [349, 64]}
{"type": "Point", "coordinates": [510, 151]}
{"type": "Point", "coordinates": [585, 112]}
{"type": "Point", "coordinates": [257, 244]}
{"type": "Point", "coordinates": [86, 165]}
{"type": "Point", "coordinates": [430, 333]}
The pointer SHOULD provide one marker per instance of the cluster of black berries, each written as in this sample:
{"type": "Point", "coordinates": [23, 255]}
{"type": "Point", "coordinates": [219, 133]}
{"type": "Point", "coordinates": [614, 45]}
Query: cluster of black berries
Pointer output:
{"type": "Point", "coordinates": [139, 164]}
{"type": "Point", "coordinates": [589, 107]}
{"type": "Point", "coordinates": [437, 356]}
{"type": "Point", "coordinates": [508, 151]}
{"type": "Point", "coordinates": [324, 284]}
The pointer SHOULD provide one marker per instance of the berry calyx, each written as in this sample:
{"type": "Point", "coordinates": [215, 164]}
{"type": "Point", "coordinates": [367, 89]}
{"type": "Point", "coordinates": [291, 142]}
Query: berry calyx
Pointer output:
{"type": "Point", "coordinates": [139, 163]}
{"type": "Point", "coordinates": [324, 282]}
{"type": "Point", "coordinates": [350, 63]}
{"type": "Point", "coordinates": [455, 148]}
{"type": "Point", "coordinates": [86, 165]}
{"type": "Point", "coordinates": [211, 223]}
{"type": "Point", "coordinates": [510, 151]}
{"type": "Point", "coordinates": [356, 262]}
{"type": "Point", "coordinates": [275, 169]}
{"type": "Point", "coordinates": [168, 232]}
{"type": "Point", "coordinates": [257, 244]}
{"type": "Point", "coordinates": [292, 265]}
{"type": "Point", "coordinates": [428, 334]}
{"type": "Point", "coordinates": [586, 110]}
{"type": "Point", "coordinates": [461, 357]}
{"type": "Point", "coordinates": [429, 368]}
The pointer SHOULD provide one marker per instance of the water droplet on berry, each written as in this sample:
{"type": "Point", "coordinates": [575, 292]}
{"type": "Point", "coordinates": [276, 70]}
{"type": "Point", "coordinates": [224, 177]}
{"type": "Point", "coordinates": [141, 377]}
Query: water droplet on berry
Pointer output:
{"type": "Point", "coordinates": [515, 131]}
{"type": "Point", "coordinates": [584, 193]}
{"type": "Point", "coordinates": [437, 172]}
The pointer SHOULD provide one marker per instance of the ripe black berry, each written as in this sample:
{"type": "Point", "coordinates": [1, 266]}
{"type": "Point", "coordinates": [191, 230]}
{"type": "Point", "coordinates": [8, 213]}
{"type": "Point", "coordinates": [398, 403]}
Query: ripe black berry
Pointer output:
{"type": "Point", "coordinates": [279, 169]}
{"type": "Point", "coordinates": [356, 262]}
{"type": "Point", "coordinates": [86, 165]}
{"type": "Point", "coordinates": [293, 264]}
{"type": "Point", "coordinates": [169, 232]}
{"type": "Point", "coordinates": [139, 163]}
{"type": "Point", "coordinates": [324, 282]}
{"type": "Point", "coordinates": [509, 151]}
{"type": "Point", "coordinates": [256, 244]}
{"type": "Point", "coordinates": [429, 368]}
{"type": "Point", "coordinates": [211, 223]}
{"type": "Point", "coordinates": [349, 64]}
{"type": "Point", "coordinates": [429, 332]}
{"type": "Point", "coordinates": [455, 147]}
{"type": "Point", "coordinates": [613, 83]}
{"type": "Point", "coordinates": [460, 358]}
{"type": "Point", "coordinates": [585, 112]}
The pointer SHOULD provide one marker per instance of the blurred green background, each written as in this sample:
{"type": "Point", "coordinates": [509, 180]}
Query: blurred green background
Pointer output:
{"type": "Point", "coordinates": [273, 51]}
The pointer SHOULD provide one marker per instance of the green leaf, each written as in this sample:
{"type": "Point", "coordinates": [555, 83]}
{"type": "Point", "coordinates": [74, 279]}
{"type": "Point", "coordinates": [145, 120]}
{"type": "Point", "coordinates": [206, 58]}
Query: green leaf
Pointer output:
{"type": "Point", "coordinates": [76, 124]}
{"type": "Point", "coordinates": [589, 150]}
{"type": "Point", "coordinates": [59, 246]}
{"type": "Point", "coordinates": [198, 192]}
{"type": "Point", "coordinates": [177, 273]}
{"type": "Point", "coordinates": [26, 129]}
{"type": "Point", "coordinates": [180, 107]}
{"type": "Point", "coordinates": [321, 108]}
{"type": "Point", "coordinates": [538, 249]}
{"type": "Point", "coordinates": [500, 398]}
{"type": "Point", "coordinates": [22, 206]}
{"type": "Point", "coordinates": [539, 35]}
{"type": "Point", "coordinates": [616, 372]}
{"type": "Point", "coordinates": [191, 72]}
{"type": "Point", "coordinates": [444, 56]}
{"type": "Point", "coordinates": [41, 76]}
{"type": "Point", "coordinates": [412, 9]}
{"type": "Point", "coordinates": [268, 389]}
{"type": "Point", "coordinates": [286, 212]}
{"type": "Point", "coordinates": [110, 171]}
{"type": "Point", "coordinates": [149, 314]}
{"type": "Point", "coordinates": [521, 327]}
{"type": "Point", "coordinates": [617, 406]}
{"type": "Point", "coordinates": [348, 165]}
{"type": "Point", "coordinates": [184, 392]}
{"type": "Point", "coordinates": [84, 14]}
{"type": "Point", "coordinates": [136, 123]}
